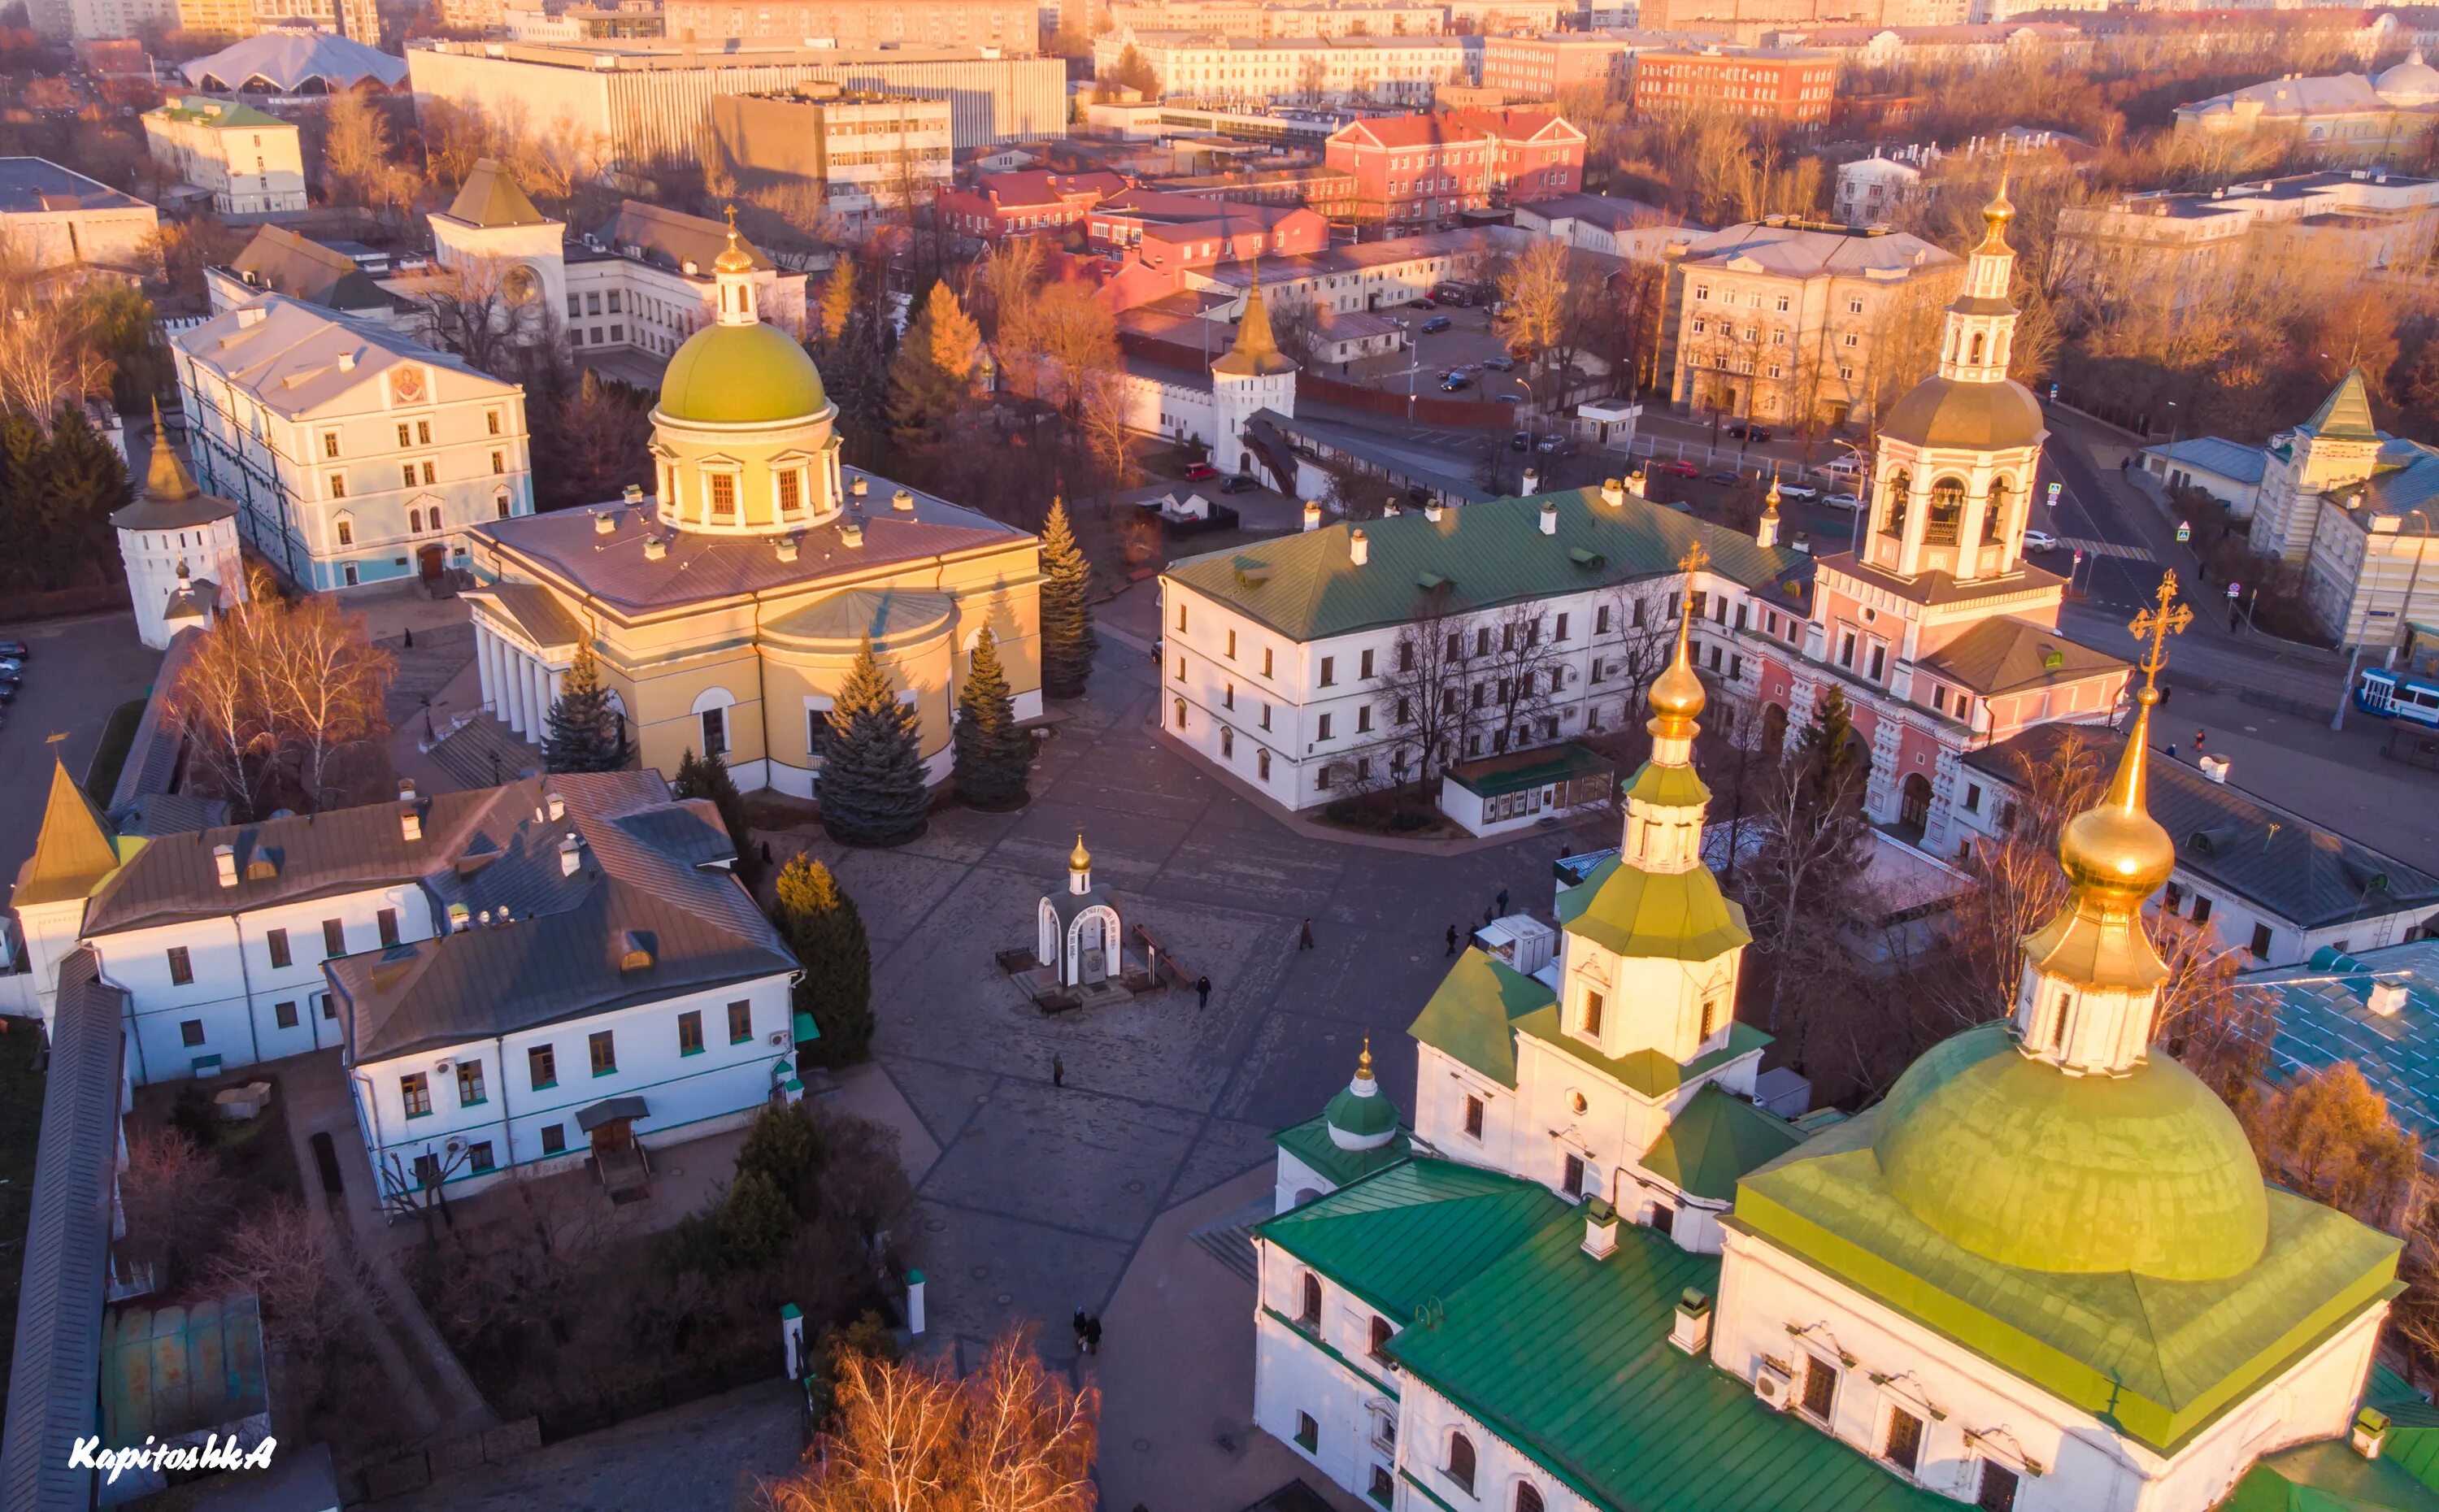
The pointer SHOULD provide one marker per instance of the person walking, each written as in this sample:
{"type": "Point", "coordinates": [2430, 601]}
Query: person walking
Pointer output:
{"type": "Point", "coordinates": [1489, 912]}
{"type": "Point", "coordinates": [2198, 742]}
{"type": "Point", "coordinates": [1201, 992]}
{"type": "Point", "coordinates": [2172, 750]}
{"type": "Point", "coordinates": [1304, 937]}
{"type": "Point", "coordinates": [1093, 1335]}
{"type": "Point", "coordinates": [1503, 902]}
{"type": "Point", "coordinates": [1057, 1071]}
{"type": "Point", "coordinates": [1081, 1324]}
{"type": "Point", "coordinates": [1452, 937]}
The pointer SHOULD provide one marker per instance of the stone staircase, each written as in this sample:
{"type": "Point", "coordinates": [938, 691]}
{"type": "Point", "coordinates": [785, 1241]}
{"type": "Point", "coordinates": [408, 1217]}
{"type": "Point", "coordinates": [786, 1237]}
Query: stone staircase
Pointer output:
{"type": "Point", "coordinates": [481, 752]}
{"type": "Point", "coordinates": [1230, 1240]}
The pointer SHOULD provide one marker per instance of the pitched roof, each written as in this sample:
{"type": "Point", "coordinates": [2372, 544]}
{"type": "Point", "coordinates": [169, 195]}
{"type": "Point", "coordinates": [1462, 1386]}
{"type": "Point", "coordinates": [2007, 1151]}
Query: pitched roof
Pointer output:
{"type": "Point", "coordinates": [1411, 131]}
{"type": "Point", "coordinates": [1646, 1072]}
{"type": "Point", "coordinates": [296, 357]}
{"type": "Point", "coordinates": [2330, 1477]}
{"type": "Point", "coordinates": [491, 197]}
{"type": "Point", "coordinates": [287, 58]}
{"type": "Point", "coordinates": [223, 115]}
{"type": "Point", "coordinates": [1308, 587]}
{"type": "Point", "coordinates": [2217, 454]}
{"type": "Point", "coordinates": [1674, 916]}
{"type": "Point", "coordinates": [2324, 1017]}
{"type": "Point", "coordinates": [285, 263]}
{"type": "Point", "coordinates": [31, 186]}
{"type": "Point", "coordinates": [1714, 1140]}
{"type": "Point", "coordinates": [73, 850]}
{"type": "Point", "coordinates": [1472, 1013]}
{"type": "Point", "coordinates": [672, 238]}
{"type": "Point", "coordinates": [1808, 249]}
{"type": "Point", "coordinates": [1255, 351]}
{"type": "Point", "coordinates": [2273, 858]}
{"type": "Point", "coordinates": [2004, 655]}
{"type": "Point", "coordinates": [2345, 414]}
{"type": "Point", "coordinates": [170, 500]}
{"type": "Point", "coordinates": [55, 1373]}
{"type": "Point", "coordinates": [1413, 1232]}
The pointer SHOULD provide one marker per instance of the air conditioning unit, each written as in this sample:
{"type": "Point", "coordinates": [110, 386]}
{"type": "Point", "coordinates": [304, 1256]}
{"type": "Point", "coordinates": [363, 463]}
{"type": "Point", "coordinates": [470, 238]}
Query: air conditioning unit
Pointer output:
{"type": "Point", "coordinates": [778, 1037]}
{"type": "Point", "coordinates": [1773, 1385]}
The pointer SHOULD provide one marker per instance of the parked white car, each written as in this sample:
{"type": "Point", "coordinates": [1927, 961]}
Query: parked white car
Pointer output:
{"type": "Point", "coordinates": [2040, 541]}
{"type": "Point", "coordinates": [1843, 500]}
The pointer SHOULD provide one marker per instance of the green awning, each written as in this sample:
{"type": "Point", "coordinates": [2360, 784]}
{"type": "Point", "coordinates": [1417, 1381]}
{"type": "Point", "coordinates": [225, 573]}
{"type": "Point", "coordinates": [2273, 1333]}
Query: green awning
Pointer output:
{"type": "Point", "coordinates": [1495, 775]}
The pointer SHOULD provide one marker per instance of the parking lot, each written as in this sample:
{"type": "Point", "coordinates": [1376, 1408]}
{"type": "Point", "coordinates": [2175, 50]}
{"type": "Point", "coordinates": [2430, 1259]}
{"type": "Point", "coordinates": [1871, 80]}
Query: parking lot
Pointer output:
{"type": "Point", "coordinates": [1467, 342]}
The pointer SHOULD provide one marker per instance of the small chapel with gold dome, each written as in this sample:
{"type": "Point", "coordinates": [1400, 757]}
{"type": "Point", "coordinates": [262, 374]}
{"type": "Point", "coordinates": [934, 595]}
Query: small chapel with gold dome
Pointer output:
{"type": "Point", "coordinates": [725, 608]}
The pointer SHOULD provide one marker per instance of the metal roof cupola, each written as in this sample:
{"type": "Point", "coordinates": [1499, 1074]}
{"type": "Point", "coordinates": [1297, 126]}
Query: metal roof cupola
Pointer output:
{"type": "Point", "coordinates": [1665, 800]}
{"type": "Point", "coordinates": [1361, 1117]}
{"type": "Point", "coordinates": [1970, 401]}
{"type": "Point", "coordinates": [738, 371]}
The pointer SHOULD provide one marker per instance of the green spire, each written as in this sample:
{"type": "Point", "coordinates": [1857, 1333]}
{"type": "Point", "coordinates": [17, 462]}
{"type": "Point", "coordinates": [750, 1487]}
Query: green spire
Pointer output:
{"type": "Point", "coordinates": [2345, 414]}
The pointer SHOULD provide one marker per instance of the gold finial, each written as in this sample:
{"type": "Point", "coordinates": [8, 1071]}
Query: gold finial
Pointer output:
{"type": "Point", "coordinates": [2168, 617]}
{"type": "Point", "coordinates": [1996, 215]}
{"type": "Point", "coordinates": [1770, 505]}
{"type": "Point", "coordinates": [2116, 853]}
{"type": "Point", "coordinates": [1364, 1061]}
{"type": "Point", "coordinates": [1676, 697]}
{"type": "Point", "coordinates": [1079, 860]}
{"type": "Point", "coordinates": [735, 259]}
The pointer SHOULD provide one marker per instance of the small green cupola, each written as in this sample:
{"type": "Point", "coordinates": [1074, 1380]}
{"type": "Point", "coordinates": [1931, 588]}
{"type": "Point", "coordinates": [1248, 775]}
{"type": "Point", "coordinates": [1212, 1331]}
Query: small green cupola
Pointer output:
{"type": "Point", "coordinates": [1361, 1117]}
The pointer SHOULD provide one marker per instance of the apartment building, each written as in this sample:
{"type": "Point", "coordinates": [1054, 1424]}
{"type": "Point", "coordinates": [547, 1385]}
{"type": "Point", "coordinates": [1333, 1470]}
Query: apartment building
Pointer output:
{"type": "Point", "coordinates": [249, 160]}
{"type": "Point", "coordinates": [645, 102]}
{"type": "Point", "coordinates": [1792, 86]}
{"type": "Point", "coordinates": [1003, 23]}
{"type": "Point", "coordinates": [870, 153]}
{"type": "Point", "coordinates": [1780, 318]}
{"type": "Point", "coordinates": [1248, 70]}
{"type": "Point", "coordinates": [1026, 202]}
{"type": "Point", "coordinates": [354, 454]}
{"type": "Point", "coordinates": [1163, 229]}
{"type": "Point", "coordinates": [1543, 68]}
{"type": "Point", "coordinates": [1417, 173]}
{"type": "Point", "coordinates": [1871, 190]}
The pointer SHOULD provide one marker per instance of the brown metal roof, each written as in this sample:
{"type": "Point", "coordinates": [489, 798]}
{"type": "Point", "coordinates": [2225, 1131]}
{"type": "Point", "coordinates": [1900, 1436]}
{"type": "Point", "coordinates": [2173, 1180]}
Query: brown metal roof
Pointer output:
{"type": "Point", "coordinates": [2004, 655]}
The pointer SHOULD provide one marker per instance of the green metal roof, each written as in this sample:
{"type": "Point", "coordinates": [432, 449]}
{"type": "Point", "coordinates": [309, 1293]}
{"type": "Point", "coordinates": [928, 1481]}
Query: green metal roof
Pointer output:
{"type": "Point", "coordinates": [2330, 1477]}
{"type": "Point", "coordinates": [2323, 1016]}
{"type": "Point", "coordinates": [1353, 1114]}
{"type": "Point", "coordinates": [1677, 916]}
{"type": "Point", "coordinates": [1710, 1145]}
{"type": "Point", "coordinates": [227, 114]}
{"type": "Point", "coordinates": [1309, 1142]}
{"type": "Point", "coordinates": [1519, 770]}
{"type": "Point", "coordinates": [1308, 586]}
{"type": "Point", "coordinates": [1646, 1072]}
{"type": "Point", "coordinates": [1568, 1359]}
{"type": "Point", "coordinates": [2345, 414]}
{"type": "Point", "coordinates": [2165, 1357]}
{"type": "Point", "coordinates": [1412, 1233]}
{"type": "Point", "coordinates": [1473, 1014]}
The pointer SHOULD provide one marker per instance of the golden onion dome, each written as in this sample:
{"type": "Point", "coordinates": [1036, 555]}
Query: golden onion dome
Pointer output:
{"type": "Point", "coordinates": [2117, 849]}
{"type": "Point", "coordinates": [1079, 860]}
{"type": "Point", "coordinates": [734, 258]}
{"type": "Point", "coordinates": [1676, 696]}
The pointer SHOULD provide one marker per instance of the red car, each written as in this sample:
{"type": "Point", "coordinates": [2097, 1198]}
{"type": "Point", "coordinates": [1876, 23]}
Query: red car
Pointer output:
{"type": "Point", "coordinates": [1675, 467]}
{"type": "Point", "coordinates": [1197, 472]}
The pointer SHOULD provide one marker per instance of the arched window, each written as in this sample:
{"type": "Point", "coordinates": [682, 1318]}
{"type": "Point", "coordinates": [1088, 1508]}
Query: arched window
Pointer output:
{"type": "Point", "coordinates": [1994, 514]}
{"type": "Point", "coordinates": [1460, 1464]}
{"type": "Point", "coordinates": [1947, 508]}
{"type": "Point", "coordinates": [1227, 742]}
{"type": "Point", "coordinates": [415, 522]}
{"type": "Point", "coordinates": [1900, 498]}
{"type": "Point", "coordinates": [1180, 714]}
{"type": "Point", "coordinates": [1529, 1497]}
{"type": "Point", "coordinates": [1380, 1336]}
{"type": "Point", "coordinates": [1977, 346]}
{"type": "Point", "coordinates": [1310, 1315]}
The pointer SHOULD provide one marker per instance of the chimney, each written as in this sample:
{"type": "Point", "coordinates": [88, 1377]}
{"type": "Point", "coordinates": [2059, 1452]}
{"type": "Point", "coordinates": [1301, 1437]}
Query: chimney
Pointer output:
{"type": "Point", "coordinates": [2214, 767]}
{"type": "Point", "coordinates": [1390, 509]}
{"type": "Point", "coordinates": [902, 501]}
{"type": "Point", "coordinates": [1691, 1331]}
{"type": "Point", "coordinates": [605, 523]}
{"type": "Point", "coordinates": [224, 865]}
{"type": "Point", "coordinates": [1600, 1228]}
{"type": "Point", "coordinates": [1432, 510]}
{"type": "Point", "coordinates": [1312, 514]}
{"type": "Point", "coordinates": [406, 789]}
{"type": "Point", "coordinates": [860, 487]}
{"type": "Point", "coordinates": [655, 548]}
{"type": "Point", "coordinates": [785, 547]}
{"type": "Point", "coordinates": [2387, 999]}
{"type": "Point", "coordinates": [1359, 546]}
{"type": "Point", "coordinates": [1549, 517]}
{"type": "Point", "coordinates": [346, 361]}
{"type": "Point", "coordinates": [571, 855]}
{"type": "Point", "coordinates": [410, 821]}
{"type": "Point", "coordinates": [1613, 493]}
{"type": "Point", "coordinates": [850, 533]}
{"type": "Point", "coordinates": [458, 918]}
{"type": "Point", "coordinates": [556, 806]}
{"type": "Point", "coordinates": [1532, 483]}
{"type": "Point", "coordinates": [631, 495]}
{"type": "Point", "coordinates": [2370, 1432]}
{"type": "Point", "coordinates": [250, 316]}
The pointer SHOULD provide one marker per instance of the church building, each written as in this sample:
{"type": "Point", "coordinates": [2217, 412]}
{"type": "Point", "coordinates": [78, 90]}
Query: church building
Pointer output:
{"type": "Point", "coordinates": [2044, 1274]}
{"type": "Point", "coordinates": [726, 608]}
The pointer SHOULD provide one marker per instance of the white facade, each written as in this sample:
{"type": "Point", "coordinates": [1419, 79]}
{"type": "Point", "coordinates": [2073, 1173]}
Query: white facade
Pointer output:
{"type": "Point", "coordinates": [354, 454]}
{"type": "Point", "coordinates": [163, 567]}
{"type": "Point", "coordinates": [1387, 70]}
{"type": "Point", "coordinates": [250, 161]}
{"type": "Point", "coordinates": [1873, 188]}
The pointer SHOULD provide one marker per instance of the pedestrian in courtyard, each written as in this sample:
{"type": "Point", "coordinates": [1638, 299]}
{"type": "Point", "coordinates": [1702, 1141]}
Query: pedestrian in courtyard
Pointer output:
{"type": "Point", "coordinates": [2198, 744]}
{"type": "Point", "coordinates": [1093, 1335]}
{"type": "Point", "coordinates": [1489, 912]}
{"type": "Point", "coordinates": [1304, 937]}
{"type": "Point", "coordinates": [1080, 1330]}
{"type": "Point", "coordinates": [1201, 992]}
{"type": "Point", "coordinates": [1057, 1071]}
{"type": "Point", "coordinates": [1503, 902]}
{"type": "Point", "coordinates": [2172, 750]}
{"type": "Point", "coordinates": [1451, 950]}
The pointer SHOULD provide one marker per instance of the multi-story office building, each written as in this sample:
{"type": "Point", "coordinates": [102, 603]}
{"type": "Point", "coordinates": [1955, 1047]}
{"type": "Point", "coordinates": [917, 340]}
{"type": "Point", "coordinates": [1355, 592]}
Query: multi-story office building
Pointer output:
{"type": "Point", "coordinates": [1250, 70]}
{"type": "Point", "coordinates": [642, 101]}
{"type": "Point", "coordinates": [1779, 319]}
{"type": "Point", "coordinates": [1006, 25]}
{"type": "Point", "coordinates": [1790, 86]}
{"type": "Point", "coordinates": [870, 153]}
{"type": "Point", "coordinates": [249, 160]}
{"type": "Point", "coordinates": [354, 454]}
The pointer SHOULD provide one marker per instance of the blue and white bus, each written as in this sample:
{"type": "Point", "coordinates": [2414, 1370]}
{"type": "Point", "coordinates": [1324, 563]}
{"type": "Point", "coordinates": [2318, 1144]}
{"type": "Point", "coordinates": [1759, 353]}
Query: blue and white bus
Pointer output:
{"type": "Point", "coordinates": [2394, 694]}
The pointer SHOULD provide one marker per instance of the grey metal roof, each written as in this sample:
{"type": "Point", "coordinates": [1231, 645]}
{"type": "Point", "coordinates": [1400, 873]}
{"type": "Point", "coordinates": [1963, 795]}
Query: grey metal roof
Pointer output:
{"type": "Point", "coordinates": [287, 58]}
{"type": "Point", "coordinates": [31, 186]}
{"type": "Point", "coordinates": [648, 913]}
{"type": "Point", "coordinates": [2217, 454]}
{"type": "Point", "coordinates": [54, 1384]}
{"type": "Point", "coordinates": [151, 765]}
{"type": "Point", "coordinates": [2273, 858]}
{"type": "Point", "coordinates": [2323, 1016]}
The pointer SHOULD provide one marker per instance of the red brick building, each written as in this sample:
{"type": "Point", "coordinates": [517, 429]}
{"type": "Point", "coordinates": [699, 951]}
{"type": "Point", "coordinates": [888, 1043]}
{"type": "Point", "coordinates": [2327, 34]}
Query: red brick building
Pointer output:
{"type": "Point", "coordinates": [1786, 85]}
{"type": "Point", "coordinates": [1529, 67]}
{"type": "Point", "coordinates": [1164, 229]}
{"type": "Point", "coordinates": [1414, 172]}
{"type": "Point", "coordinates": [1031, 202]}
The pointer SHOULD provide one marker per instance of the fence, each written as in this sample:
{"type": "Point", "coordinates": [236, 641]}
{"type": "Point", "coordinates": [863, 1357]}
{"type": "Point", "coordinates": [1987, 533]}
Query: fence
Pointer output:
{"type": "Point", "coordinates": [1706, 455]}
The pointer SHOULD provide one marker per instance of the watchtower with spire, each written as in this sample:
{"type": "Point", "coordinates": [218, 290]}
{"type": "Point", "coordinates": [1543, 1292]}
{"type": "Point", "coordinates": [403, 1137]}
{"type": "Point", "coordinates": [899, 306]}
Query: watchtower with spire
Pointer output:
{"type": "Point", "coordinates": [179, 547]}
{"type": "Point", "coordinates": [1251, 376]}
{"type": "Point", "coordinates": [2329, 454]}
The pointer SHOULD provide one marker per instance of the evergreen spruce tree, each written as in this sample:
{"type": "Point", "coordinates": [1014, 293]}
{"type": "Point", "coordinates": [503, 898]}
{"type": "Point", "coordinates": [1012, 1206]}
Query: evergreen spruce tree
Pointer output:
{"type": "Point", "coordinates": [584, 730]}
{"type": "Point", "coordinates": [1826, 754]}
{"type": "Point", "coordinates": [707, 777]}
{"type": "Point", "coordinates": [84, 480]}
{"type": "Point", "coordinates": [820, 923]}
{"type": "Point", "coordinates": [1067, 640]}
{"type": "Point", "coordinates": [872, 790]}
{"type": "Point", "coordinates": [991, 752]}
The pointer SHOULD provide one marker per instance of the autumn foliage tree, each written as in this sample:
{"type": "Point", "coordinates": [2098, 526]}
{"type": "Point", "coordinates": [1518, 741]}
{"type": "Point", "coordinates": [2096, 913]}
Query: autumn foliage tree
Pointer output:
{"type": "Point", "coordinates": [910, 1437]}
{"type": "Point", "coordinates": [930, 382]}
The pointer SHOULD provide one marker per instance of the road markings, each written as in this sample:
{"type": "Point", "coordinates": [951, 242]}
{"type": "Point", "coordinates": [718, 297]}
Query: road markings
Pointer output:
{"type": "Point", "coordinates": [2108, 549]}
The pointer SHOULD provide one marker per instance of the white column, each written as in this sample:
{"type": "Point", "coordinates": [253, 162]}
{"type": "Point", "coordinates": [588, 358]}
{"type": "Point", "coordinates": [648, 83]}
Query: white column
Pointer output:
{"type": "Point", "coordinates": [519, 692]}
{"type": "Point", "coordinates": [539, 680]}
{"type": "Point", "coordinates": [483, 663]}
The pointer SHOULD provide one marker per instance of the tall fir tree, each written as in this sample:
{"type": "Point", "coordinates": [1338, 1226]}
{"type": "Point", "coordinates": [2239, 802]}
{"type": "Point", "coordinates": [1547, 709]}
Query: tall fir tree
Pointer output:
{"type": "Point", "coordinates": [84, 481]}
{"type": "Point", "coordinates": [932, 376]}
{"type": "Point", "coordinates": [707, 777]}
{"type": "Point", "coordinates": [820, 923]}
{"type": "Point", "coordinates": [585, 732]}
{"type": "Point", "coordinates": [991, 753]}
{"type": "Point", "coordinates": [1067, 639]}
{"type": "Point", "coordinates": [872, 788]}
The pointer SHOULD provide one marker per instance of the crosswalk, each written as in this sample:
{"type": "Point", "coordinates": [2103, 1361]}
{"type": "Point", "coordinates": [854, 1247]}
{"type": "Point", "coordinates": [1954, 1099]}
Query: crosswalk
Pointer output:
{"type": "Point", "coordinates": [2108, 549]}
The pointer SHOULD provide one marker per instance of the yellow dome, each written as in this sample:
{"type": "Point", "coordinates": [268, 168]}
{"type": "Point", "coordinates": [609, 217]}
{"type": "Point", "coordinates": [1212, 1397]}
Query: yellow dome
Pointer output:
{"type": "Point", "coordinates": [741, 375]}
{"type": "Point", "coordinates": [1079, 860]}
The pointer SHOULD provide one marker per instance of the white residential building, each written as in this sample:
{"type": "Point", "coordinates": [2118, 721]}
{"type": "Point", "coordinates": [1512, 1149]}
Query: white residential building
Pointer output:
{"type": "Point", "coordinates": [1249, 70]}
{"type": "Point", "coordinates": [249, 160]}
{"type": "Point", "coordinates": [354, 454]}
{"type": "Point", "coordinates": [1871, 190]}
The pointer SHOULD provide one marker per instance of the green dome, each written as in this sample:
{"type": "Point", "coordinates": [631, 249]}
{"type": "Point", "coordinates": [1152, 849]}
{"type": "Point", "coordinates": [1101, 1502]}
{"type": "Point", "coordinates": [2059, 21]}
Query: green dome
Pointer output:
{"type": "Point", "coordinates": [741, 375]}
{"type": "Point", "coordinates": [1366, 1120]}
{"type": "Point", "coordinates": [2017, 1161]}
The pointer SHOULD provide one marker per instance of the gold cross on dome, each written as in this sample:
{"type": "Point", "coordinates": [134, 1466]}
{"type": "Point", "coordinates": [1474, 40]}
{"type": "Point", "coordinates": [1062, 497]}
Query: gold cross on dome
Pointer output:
{"type": "Point", "coordinates": [2155, 625]}
{"type": "Point", "coordinates": [732, 221]}
{"type": "Point", "coordinates": [1695, 560]}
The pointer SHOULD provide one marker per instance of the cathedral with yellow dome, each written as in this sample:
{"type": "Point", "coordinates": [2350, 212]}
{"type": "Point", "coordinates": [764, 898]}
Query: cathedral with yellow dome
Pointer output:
{"type": "Point", "coordinates": [725, 608]}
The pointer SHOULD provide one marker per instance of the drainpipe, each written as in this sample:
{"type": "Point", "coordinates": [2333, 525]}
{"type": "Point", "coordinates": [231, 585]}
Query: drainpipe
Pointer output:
{"type": "Point", "coordinates": [245, 981]}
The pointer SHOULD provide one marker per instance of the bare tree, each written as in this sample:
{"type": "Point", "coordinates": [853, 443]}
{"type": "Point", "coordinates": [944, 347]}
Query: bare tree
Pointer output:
{"type": "Point", "coordinates": [1811, 809]}
{"type": "Point", "coordinates": [311, 1284]}
{"type": "Point", "coordinates": [1425, 693]}
{"type": "Point", "coordinates": [489, 311]}
{"type": "Point", "coordinates": [50, 352]}
{"type": "Point", "coordinates": [1519, 669]}
{"type": "Point", "coordinates": [175, 1201]}
{"type": "Point", "coordinates": [361, 163]}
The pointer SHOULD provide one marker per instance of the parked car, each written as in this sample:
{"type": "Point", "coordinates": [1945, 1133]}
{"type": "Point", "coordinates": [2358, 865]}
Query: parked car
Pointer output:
{"type": "Point", "coordinates": [1675, 467]}
{"type": "Point", "coordinates": [1842, 501]}
{"type": "Point", "coordinates": [1501, 363]}
{"type": "Point", "coordinates": [1521, 441]}
{"type": "Point", "coordinates": [1798, 491]}
{"type": "Point", "coordinates": [1725, 477]}
{"type": "Point", "coordinates": [1551, 443]}
{"type": "Point", "coordinates": [1507, 399]}
{"type": "Point", "coordinates": [1436, 324]}
{"type": "Point", "coordinates": [1456, 383]}
{"type": "Point", "coordinates": [2040, 541]}
{"type": "Point", "coordinates": [1197, 472]}
{"type": "Point", "coordinates": [1743, 432]}
{"type": "Point", "coordinates": [1240, 484]}
{"type": "Point", "coordinates": [1452, 294]}
{"type": "Point", "coordinates": [8, 692]}
{"type": "Point", "coordinates": [14, 649]}
{"type": "Point", "coordinates": [1426, 302]}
